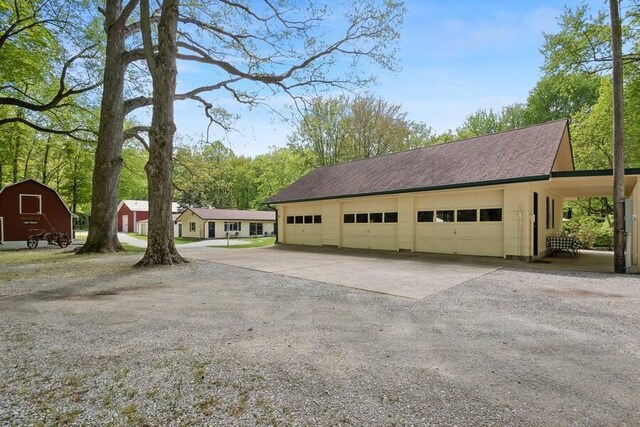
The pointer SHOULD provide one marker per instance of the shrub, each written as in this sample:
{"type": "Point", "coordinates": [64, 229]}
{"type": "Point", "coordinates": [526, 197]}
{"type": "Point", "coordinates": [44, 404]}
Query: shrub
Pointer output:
{"type": "Point", "coordinates": [591, 231]}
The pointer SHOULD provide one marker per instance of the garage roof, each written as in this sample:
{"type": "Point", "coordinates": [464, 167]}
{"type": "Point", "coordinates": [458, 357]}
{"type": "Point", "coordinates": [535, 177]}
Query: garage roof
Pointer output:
{"type": "Point", "coordinates": [232, 214]}
{"type": "Point", "coordinates": [525, 154]}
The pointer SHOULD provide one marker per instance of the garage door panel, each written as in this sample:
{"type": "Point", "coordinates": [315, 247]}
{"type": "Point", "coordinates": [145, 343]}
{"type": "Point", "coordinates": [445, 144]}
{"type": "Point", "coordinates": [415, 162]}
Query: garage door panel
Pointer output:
{"type": "Point", "coordinates": [444, 231]}
{"type": "Point", "coordinates": [490, 231]}
{"type": "Point", "coordinates": [490, 248]}
{"type": "Point", "coordinates": [472, 238]}
{"type": "Point", "coordinates": [466, 247]}
{"type": "Point", "coordinates": [424, 230]}
{"type": "Point", "coordinates": [466, 231]}
{"type": "Point", "coordinates": [444, 246]}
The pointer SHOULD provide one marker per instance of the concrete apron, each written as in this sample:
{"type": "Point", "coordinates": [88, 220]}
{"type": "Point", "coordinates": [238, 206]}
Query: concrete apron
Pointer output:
{"type": "Point", "coordinates": [405, 275]}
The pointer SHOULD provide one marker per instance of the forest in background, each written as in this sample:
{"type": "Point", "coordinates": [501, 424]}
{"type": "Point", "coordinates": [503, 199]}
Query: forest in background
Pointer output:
{"type": "Point", "coordinates": [575, 83]}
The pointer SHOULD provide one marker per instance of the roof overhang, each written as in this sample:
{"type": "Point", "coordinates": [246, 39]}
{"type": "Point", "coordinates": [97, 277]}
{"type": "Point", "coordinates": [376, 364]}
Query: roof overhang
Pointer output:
{"type": "Point", "coordinates": [592, 183]}
{"type": "Point", "coordinates": [414, 190]}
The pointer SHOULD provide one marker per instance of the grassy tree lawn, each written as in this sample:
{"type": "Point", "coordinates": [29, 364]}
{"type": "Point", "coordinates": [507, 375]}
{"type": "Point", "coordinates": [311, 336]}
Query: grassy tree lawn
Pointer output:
{"type": "Point", "coordinates": [255, 243]}
{"type": "Point", "coordinates": [177, 240]}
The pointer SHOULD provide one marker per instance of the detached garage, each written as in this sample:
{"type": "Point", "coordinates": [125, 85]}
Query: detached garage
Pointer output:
{"type": "Point", "coordinates": [498, 195]}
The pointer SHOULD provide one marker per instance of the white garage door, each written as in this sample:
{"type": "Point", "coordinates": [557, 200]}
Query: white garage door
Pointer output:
{"type": "Point", "coordinates": [303, 225]}
{"type": "Point", "coordinates": [370, 224]}
{"type": "Point", "coordinates": [468, 223]}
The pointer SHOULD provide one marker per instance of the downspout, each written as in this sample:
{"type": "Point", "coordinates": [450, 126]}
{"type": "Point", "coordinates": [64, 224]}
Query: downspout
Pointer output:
{"type": "Point", "coordinates": [275, 226]}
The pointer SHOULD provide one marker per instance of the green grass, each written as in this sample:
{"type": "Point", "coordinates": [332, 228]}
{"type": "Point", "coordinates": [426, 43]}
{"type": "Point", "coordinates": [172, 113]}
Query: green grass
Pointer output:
{"type": "Point", "coordinates": [131, 248]}
{"type": "Point", "coordinates": [255, 243]}
{"type": "Point", "coordinates": [176, 240]}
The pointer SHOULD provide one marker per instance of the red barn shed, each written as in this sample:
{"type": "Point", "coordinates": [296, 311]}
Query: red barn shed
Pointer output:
{"type": "Point", "coordinates": [130, 212]}
{"type": "Point", "coordinates": [27, 207]}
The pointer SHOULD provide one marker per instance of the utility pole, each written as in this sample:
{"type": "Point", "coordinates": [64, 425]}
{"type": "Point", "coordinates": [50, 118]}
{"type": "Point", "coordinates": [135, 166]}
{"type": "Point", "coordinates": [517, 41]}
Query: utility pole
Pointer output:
{"type": "Point", "coordinates": [619, 235]}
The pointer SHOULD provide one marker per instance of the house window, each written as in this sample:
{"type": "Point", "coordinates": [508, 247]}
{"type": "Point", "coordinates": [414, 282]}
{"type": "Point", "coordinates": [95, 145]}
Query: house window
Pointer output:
{"type": "Point", "coordinates": [467, 215]}
{"type": "Point", "coordinates": [232, 226]}
{"type": "Point", "coordinates": [490, 215]}
{"type": "Point", "coordinates": [391, 217]}
{"type": "Point", "coordinates": [425, 216]}
{"type": "Point", "coordinates": [30, 204]}
{"type": "Point", "coordinates": [548, 206]}
{"type": "Point", "coordinates": [317, 219]}
{"type": "Point", "coordinates": [255, 229]}
{"type": "Point", "coordinates": [308, 219]}
{"type": "Point", "coordinates": [553, 213]}
{"type": "Point", "coordinates": [290, 220]}
{"type": "Point", "coordinates": [375, 217]}
{"type": "Point", "coordinates": [444, 216]}
{"type": "Point", "coordinates": [299, 219]}
{"type": "Point", "coordinates": [349, 218]}
{"type": "Point", "coordinates": [192, 227]}
{"type": "Point", "coordinates": [362, 218]}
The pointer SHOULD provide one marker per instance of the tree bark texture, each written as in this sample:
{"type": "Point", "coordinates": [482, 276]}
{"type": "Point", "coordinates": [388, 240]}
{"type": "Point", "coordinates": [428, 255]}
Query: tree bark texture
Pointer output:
{"type": "Point", "coordinates": [619, 233]}
{"type": "Point", "coordinates": [161, 248]}
{"type": "Point", "coordinates": [103, 224]}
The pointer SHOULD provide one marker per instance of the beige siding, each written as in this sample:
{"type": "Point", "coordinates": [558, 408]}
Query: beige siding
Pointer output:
{"type": "Point", "coordinates": [564, 157]}
{"type": "Point", "coordinates": [406, 223]}
{"type": "Point", "coordinates": [202, 227]}
{"type": "Point", "coordinates": [509, 237]}
{"type": "Point", "coordinates": [518, 220]}
{"type": "Point", "coordinates": [188, 217]}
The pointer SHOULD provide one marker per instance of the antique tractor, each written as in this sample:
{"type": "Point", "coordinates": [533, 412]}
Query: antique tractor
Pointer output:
{"type": "Point", "coordinates": [52, 237]}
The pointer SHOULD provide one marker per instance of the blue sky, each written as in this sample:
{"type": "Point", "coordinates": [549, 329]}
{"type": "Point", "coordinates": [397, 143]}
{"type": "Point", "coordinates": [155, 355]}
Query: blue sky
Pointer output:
{"type": "Point", "coordinates": [455, 57]}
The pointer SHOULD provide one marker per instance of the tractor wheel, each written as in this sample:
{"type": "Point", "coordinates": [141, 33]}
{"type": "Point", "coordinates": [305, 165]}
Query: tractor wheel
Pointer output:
{"type": "Point", "coordinates": [32, 243]}
{"type": "Point", "coordinates": [63, 241]}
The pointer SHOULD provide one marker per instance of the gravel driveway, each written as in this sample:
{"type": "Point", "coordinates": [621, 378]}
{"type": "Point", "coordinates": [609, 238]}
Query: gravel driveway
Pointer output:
{"type": "Point", "coordinates": [90, 340]}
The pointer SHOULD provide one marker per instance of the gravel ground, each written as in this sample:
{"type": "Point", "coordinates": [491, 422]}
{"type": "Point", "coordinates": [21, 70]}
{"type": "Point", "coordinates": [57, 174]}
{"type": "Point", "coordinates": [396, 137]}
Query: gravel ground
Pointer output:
{"type": "Point", "coordinates": [91, 341]}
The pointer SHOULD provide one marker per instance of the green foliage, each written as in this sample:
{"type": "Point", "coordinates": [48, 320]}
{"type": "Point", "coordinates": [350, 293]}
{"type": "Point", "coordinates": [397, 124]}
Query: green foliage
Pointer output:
{"type": "Point", "coordinates": [561, 96]}
{"type": "Point", "coordinates": [133, 179]}
{"type": "Point", "coordinates": [591, 231]}
{"type": "Point", "coordinates": [336, 130]}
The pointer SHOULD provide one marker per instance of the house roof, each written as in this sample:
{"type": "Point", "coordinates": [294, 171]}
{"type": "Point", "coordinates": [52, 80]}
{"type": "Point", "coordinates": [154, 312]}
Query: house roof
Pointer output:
{"type": "Point", "coordinates": [174, 217]}
{"type": "Point", "coordinates": [142, 205]}
{"type": "Point", "coordinates": [45, 186]}
{"type": "Point", "coordinates": [518, 155]}
{"type": "Point", "coordinates": [233, 214]}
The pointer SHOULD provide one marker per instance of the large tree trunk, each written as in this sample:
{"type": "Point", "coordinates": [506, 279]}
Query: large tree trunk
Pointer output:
{"type": "Point", "coordinates": [619, 234]}
{"type": "Point", "coordinates": [160, 247]}
{"type": "Point", "coordinates": [103, 230]}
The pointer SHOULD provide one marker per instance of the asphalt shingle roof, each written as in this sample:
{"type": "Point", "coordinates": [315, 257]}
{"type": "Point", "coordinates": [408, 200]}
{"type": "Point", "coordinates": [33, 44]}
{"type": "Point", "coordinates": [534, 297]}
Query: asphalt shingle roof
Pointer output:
{"type": "Point", "coordinates": [511, 155]}
{"type": "Point", "coordinates": [233, 214]}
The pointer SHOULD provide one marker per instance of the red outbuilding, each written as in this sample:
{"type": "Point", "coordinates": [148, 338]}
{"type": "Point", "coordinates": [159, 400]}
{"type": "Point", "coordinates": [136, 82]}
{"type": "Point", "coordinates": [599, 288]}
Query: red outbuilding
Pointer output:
{"type": "Point", "coordinates": [130, 212]}
{"type": "Point", "coordinates": [28, 207]}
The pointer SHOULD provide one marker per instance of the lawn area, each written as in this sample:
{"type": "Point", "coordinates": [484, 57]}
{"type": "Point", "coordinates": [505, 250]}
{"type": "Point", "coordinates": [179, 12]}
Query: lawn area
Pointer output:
{"type": "Point", "coordinates": [255, 243]}
{"type": "Point", "coordinates": [177, 240]}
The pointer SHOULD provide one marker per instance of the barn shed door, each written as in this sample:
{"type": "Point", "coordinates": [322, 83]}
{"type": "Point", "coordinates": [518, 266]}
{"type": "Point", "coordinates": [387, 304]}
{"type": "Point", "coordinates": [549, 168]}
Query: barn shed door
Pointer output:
{"type": "Point", "coordinates": [125, 223]}
{"type": "Point", "coordinates": [468, 223]}
{"type": "Point", "coordinates": [1, 230]}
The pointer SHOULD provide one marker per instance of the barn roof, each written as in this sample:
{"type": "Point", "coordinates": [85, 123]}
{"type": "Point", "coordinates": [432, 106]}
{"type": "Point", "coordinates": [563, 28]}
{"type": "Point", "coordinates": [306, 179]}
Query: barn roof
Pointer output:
{"type": "Point", "coordinates": [517, 155]}
{"type": "Point", "coordinates": [233, 214]}
{"type": "Point", "coordinates": [142, 205]}
{"type": "Point", "coordinates": [46, 187]}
